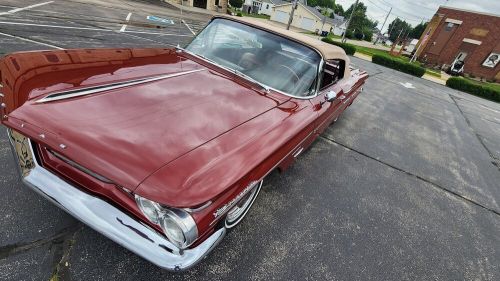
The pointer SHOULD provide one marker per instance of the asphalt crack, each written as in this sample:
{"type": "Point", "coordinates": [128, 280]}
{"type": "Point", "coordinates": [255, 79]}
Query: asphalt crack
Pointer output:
{"type": "Point", "coordinates": [60, 237]}
{"type": "Point", "coordinates": [435, 185]}
{"type": "Point", "coordinates": [375, 74]}
{"type": "Point", "coordinates": [495, 161]}
{"type": "Point", "coordinates": [63, 251]}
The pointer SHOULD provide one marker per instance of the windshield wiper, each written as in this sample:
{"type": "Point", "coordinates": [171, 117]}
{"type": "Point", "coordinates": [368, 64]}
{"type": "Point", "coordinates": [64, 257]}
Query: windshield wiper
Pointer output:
{"type": "Point", "coordinates": [235, 71]}
{"type": "Point", "coordinates": [241, 74]}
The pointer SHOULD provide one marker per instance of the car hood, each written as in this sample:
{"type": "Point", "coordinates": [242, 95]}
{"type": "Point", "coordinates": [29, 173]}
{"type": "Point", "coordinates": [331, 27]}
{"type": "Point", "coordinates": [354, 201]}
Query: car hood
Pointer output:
{"type": "Point", "coordinates": [126, 134]}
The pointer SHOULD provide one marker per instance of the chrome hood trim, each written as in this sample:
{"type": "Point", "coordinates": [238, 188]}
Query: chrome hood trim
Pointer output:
{"type": "Point", "coordinates": [61, 95]}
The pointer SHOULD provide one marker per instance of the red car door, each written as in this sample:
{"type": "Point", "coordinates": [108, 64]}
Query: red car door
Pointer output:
{"type": "Point", "coordinates": [330, 86]}
{"type": "Point", "coordinates": [352, 86]}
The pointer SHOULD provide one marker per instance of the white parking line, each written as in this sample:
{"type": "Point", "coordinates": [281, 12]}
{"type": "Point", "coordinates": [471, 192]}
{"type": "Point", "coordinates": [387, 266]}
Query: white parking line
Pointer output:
{"type": "Point", "coordinates": [158, 33]}
{"type": "Point", "coordinates": [25, 8]}
{"type": "Point", "coordinates": [88, 28]}
{"type": "Point", "coordinates": [188, 27]}
{"type": "Point", "coordinates": [127, 20]}
{"type": "Point", "coordinates": [53, 26]}
{"type": "Point", "coordinates": [485, 107]}
{"type": "Point", "coordinates": [32, 41]}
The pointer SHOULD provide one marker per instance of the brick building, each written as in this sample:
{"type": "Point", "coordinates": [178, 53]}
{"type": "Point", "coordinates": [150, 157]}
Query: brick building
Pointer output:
{"type": "Point", "coordinates": [472, 37]}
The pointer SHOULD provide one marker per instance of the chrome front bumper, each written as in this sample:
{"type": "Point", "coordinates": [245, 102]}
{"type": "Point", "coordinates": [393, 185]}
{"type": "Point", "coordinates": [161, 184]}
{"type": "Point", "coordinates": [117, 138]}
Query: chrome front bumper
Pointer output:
{"type": "Point", "coordinates": [104, 217]}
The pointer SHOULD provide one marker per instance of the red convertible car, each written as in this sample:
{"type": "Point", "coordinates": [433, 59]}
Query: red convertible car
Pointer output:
{"type": "Point", "coordinates": [164, 150]}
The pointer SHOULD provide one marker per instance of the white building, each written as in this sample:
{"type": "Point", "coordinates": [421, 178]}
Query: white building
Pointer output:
{"type": "Point", "coordinates": [308, 18]}
{"type": "Point", "coordinates": [261, 6]}
{"type": "Point", "coordinates": [411, 46]}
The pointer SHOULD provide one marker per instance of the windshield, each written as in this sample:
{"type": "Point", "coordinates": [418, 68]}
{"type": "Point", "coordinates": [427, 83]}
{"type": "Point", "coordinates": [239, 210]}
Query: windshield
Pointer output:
{"type": "Point", "coordinates": [267, 58]}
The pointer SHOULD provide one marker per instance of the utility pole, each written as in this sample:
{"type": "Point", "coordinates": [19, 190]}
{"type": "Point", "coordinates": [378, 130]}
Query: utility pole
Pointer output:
{"type": "Point", "coordinates": [294, 6]}
{"type": "Point", "coordinates": [382, 28]}
{"type": "Point", "coordinates": [349, 21]}
{"type": "Point", "coordinates": [389, 32]}
{"type": "Point", "coordinates": [399, 35]}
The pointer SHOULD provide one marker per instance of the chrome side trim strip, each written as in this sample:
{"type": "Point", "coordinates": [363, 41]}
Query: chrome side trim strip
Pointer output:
{"type": "Point", "coordinates": [110, 221]}
{"type": "Point", "coordinates": [298, 152]}
{"type": "Point", "coordinates": [97, 89]}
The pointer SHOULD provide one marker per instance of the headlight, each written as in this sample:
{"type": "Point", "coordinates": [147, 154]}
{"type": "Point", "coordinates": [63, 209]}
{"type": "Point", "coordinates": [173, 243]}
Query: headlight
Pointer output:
{"type": "Point", "coordinates": [150, 209]}
{"type": "Point", "coordinates": [178, 225]}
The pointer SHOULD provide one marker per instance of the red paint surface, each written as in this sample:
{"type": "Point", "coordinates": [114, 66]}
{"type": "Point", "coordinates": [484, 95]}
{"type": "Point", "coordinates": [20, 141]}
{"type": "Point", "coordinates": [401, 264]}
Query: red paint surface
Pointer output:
{"type": "Point", "coordinates": [180, 141]}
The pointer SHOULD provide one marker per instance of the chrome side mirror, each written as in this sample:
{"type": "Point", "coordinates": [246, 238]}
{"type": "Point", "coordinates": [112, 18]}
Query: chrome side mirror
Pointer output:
{"type": "Point", "coordinates": [330, 96]}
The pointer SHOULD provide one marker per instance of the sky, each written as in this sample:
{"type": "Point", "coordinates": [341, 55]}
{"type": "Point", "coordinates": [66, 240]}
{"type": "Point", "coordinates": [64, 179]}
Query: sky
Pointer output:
{"type": "Point", "coordinates": [414, 11]}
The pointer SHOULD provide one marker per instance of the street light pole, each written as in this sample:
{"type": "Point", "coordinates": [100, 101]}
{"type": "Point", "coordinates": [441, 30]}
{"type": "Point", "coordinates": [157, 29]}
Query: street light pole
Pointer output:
{"type": "Point", "coordinates": [294, 5]}
{"type": "Point", "coordinates": [382, 28]}
{"type": "Point", "coordinates": [349, 21]}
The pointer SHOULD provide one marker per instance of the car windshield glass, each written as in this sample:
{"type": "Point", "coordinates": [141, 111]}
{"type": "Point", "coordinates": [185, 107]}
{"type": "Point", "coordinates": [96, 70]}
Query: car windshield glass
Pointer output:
{"type": "Point", "coordinates": [269, 59]}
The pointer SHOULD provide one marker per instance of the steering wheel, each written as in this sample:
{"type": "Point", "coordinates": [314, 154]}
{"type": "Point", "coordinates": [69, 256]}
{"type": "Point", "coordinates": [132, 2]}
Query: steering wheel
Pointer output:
{"type": "Point", "coordinates": [248, 59]}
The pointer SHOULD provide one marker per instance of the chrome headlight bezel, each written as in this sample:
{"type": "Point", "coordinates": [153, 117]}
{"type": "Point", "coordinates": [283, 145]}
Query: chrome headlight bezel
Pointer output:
{"type": "Point", "coordinates": [169, 219]}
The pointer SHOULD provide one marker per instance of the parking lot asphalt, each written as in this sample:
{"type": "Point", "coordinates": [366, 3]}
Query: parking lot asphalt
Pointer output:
{"type": "Point", "coordinates": [404, 186]}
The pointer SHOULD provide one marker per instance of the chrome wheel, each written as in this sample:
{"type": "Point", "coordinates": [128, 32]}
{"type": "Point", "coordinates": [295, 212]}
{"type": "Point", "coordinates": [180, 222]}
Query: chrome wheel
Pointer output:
{"type": "Point", "coordinates": [236, 214]}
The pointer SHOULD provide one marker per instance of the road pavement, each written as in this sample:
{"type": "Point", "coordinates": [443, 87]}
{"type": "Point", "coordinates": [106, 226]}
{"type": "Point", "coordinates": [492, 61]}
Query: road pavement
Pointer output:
{"type": "Point", "coordinates": [404, 186]}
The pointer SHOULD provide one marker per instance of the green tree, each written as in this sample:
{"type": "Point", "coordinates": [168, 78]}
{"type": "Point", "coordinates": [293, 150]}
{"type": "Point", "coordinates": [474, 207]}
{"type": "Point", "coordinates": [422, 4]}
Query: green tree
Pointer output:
{"type": "Point", "coordinates": [361, 27]}
{"type": "Point", "coordinates": [312, 3]}
{"type": "Point", "coordinates": [322, 3]}
{"type": "Point", "coordinates": [417, 31]}
{"type": "Point", "coordinates": [396, 27]}
{"type": "Point", "coordinates": [367, 33]}
{"type": "Point", "coordinates": [358, 18]}
{"type": "Point", "coordinates": [236, 3]}
{"type": "Point", "coordinates": [339, 10]}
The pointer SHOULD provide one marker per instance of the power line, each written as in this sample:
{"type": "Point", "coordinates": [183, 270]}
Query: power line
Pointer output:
{"type": "Point", "coordinates": [378, 6]}
{"type": "Point", "coordinates": [403, 11]}
{"type": "Point", "coordinates": [376, 40]}
{"type": "Point", "coordinates": [412, 18]}
{"type": "Point", "coordinates": [414, 4]}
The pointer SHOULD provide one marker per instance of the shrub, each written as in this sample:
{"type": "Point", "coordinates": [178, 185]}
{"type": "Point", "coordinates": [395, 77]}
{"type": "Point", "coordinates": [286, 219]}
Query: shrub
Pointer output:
{"type": "Point", "coordinates": [368, 34]}
{"type": "Point", "coordinates": [399, 65]}
{"type": "Point", "coordinates": [236, 3]}
{"type": "Point", "coordinates": [358, 34]}
{"type": "Point", "coordinates": [349, 34]}
{"type": "Point", "coordinates": [348, 48]}
{"type": "Point", "coordinates": [239, 14]}
{"type": "Point", "coordinates": [467, 86]}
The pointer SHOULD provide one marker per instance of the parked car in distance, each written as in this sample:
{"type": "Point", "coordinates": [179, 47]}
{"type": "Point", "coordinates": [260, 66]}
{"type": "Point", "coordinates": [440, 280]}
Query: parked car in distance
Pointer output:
{"type": "Point", "coordinates": [164, 150]}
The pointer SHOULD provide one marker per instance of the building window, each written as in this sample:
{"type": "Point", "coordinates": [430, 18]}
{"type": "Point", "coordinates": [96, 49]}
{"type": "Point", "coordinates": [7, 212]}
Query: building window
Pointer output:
{"type": "Point", "coordinates": [216, 2]}
{"type": "Point", "coordinates": [267, 6]}
{"type": "Point", "coordinates": [449, 26]}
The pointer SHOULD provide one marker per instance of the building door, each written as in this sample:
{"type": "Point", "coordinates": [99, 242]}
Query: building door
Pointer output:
{"type": "Point", "coordinates": [461, 56]}
{"type": "Point", "coordinates": [281, 17]}
{"type": "Point", "coordinates": [200, 4]}
{"type": "Point", "coordinates": [307, 24]}
{"type": "Point", "coordinates": [464, 49]}
{"type": "Point", "coordinates": [458, 64]}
